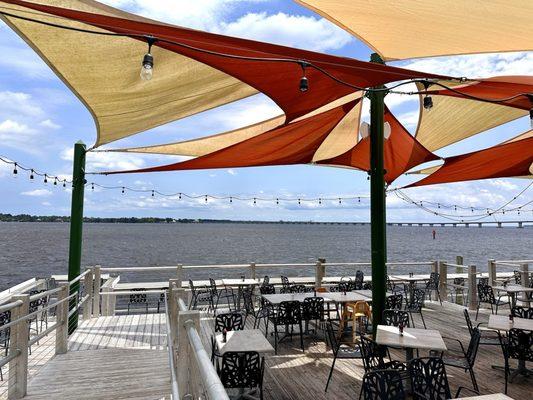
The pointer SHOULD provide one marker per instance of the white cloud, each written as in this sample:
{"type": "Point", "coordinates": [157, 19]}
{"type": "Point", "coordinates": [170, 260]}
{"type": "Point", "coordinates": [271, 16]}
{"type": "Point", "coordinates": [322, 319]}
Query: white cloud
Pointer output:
{"type": "Point", "coordinates": [46, 203]}
{"type": "Point", "coordinates": [290, 30]}
{"type": "Point", "coordinates": [20, 103]}
{"type": "Point", "coordinates": [48, 123]}
{"type": "Point", "coordinates": [503, 184]}
{"type": "Point", "coordinates": [37, 193]}
{"type": "Point", "coordinates": [231, 171]}
{"type": "Point", "coordinates": [18, 136]}
{"type": "Point", "coordinates": [409, 119]}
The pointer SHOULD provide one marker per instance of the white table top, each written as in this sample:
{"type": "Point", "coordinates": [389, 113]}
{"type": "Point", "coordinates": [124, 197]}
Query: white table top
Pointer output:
{"type": "Point", "coordinates": [495, 396]}
{"type": "Point", "coordinates": [239, 282]}
{"type": "Point", "coordinates": [280, 297]}
{"type": "Point", "coordinates": [368, 293]}
{"type": "Point", "coordinates": [513, 289]}
{"type": "Point", "coordinates": [140, 285]}
{"type": "Point", "coordinates": [501, 323]}
{"type": "Point", "coordinates": [408, 278]}
{"type": "Point", "coordinates": [246, 340]}
{"type": "Point", "coordinates": [349, 297]}
{"type": "Point", "coordinates": [412, 338]}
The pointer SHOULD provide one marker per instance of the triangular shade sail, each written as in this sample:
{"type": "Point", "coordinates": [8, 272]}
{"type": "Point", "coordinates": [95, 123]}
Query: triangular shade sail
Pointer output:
{"type": "Point", "coordinates": [339, 140]}
{"type": "Point", "coordinates": [294, 143]}
{"type": "Point", "coordinates": [129, 105]}
{"type": "Point", "coordinates": [403, 29]}
{"type": "Point", "coordinates": [510, 159]}
{"type": "Point", "coordinates": [401, 152]}
{"type": "Point", "coordinates": [453, 119]}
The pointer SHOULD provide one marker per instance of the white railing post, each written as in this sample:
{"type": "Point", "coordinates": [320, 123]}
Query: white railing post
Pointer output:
{"type": "Point", "coordinates": [472, 287]}
{"type": "Point", "coordinates": [492, 271]}
{"type": "Point", "coordinates": [194, 377]}
{"type": "Point", "coordinates": [524, 271]}
{"type": "Point", "coordinates": [173, 310]}
{"type": "Point", "coordinates": [88, 284]}
{"type": "Point", "coordinates": [443, 279]}
{"type": "Point", "coordinates": [18, 367]}
{"type": "Point", "coordinates": [252, 270]}
{"type": "Point", "coordinates": [62, 320]}
{"type": "Point", "coordinates": [96, 290]}
{"type": "Point", "coordinates": [179, 275]}
{"type": "Point", "coordinates": [320, 272]}
{"type": "Point", "coordinates": [185, 361]}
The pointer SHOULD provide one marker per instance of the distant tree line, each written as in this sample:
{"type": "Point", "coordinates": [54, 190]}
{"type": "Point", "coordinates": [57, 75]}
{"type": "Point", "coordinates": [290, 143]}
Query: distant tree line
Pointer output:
{"type": "Point", "coordinates": [60, 218]}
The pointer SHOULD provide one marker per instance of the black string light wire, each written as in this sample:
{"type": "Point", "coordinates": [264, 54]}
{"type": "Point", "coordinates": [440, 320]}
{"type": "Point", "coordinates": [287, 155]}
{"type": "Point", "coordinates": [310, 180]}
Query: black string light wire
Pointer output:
{"type": "Point", "coordinates": [301, 63]}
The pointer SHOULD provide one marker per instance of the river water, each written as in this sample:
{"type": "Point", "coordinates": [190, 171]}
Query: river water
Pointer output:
{"type": "Point", "coordinates": [40, 249]}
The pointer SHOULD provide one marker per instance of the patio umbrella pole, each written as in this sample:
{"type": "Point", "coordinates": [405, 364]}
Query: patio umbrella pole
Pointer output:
{"type": "Point", "coordinates": [76, 227]}
{"type": "Point", "coordinates": [377, 202]}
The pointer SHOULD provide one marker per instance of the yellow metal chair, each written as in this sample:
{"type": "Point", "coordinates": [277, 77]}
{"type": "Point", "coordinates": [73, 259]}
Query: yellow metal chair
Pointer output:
{"type": "Point", "coordinates": [356, 312]}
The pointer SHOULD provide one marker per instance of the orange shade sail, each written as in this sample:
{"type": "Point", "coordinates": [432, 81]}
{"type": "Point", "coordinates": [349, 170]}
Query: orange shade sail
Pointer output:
{"type": "Point", "coordinates": [294, 143]}
{"type": "Point", "coordinates": [510, 159]}
{"type": "Point", "coordinates": [275, 74]}
{"type": "Point", "coordinates": [401, 152]}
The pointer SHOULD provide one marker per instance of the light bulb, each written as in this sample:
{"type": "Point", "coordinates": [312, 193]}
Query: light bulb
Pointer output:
{"type": "Point", "coordinates": [428, 103]}
{"type": "Point", "coordinates": [304, 84]}
{"type": "Point", "coordinates": [365, 130]}
{"type": "Point", "coordinates": [386, 130]}
{"type": "Point", "coordinates": [147, 68]}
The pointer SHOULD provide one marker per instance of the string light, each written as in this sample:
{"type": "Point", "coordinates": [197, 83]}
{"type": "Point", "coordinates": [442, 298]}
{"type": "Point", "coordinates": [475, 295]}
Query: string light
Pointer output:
{"type": "Point", "coordinates": [255, 201]}
{"type": "Point", "coordinates": [277, 201]}
{"type": "Point", "coordinates": [55, 181]}
{"type": "Point", "coordinates": [206, 199]}
{"type": "Point", "coordinates": [147, 65]}
{"type": "Point", "coordinates": [64, 183]}
{"type": "Point", "coordinates": [428, 101]}
{"type": "Point", "coordinates": [231, 199]}
{"type": "Point", "coordinates": [153, 194]}
{"type": "Point", "coordinates": [123, 190]}
{"type": "Point", "coordinates": [45, 178]}
{"type": "Point", "coordinates": [340, 201]}
{"type": "Point", "coordinates": [304, 83]}
{"type": "Point", "coordinates": [31, 174]}
{"type": "Point", "coordinates": [15, 172]}
{"type": "Point", "coordinates": [92, 186]}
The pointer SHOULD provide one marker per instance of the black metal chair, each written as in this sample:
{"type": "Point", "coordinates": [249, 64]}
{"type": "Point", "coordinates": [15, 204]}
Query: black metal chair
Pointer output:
{"type": "Point", "coordinates": [459, 288]}
{"type": "Point", "coordinates": [382, 385]}
{"type": "Point", "coordinates": [217, 294]}
{"type": "Point", "coordinates": [374, 357]}
{"type": "Point", "coordinates": [522, 312]}
{"type": "Point", "coordinates": [518, 346]}
{"type": "Point", "coordinates": [359, 279]}
{"type": "Point", "coordinates": [160, 301]}
{"type": "Point", "coordinates": [343, 286]}
{"type": "Point", "coordinates": [285, 285]}
{"type": "Point", "coordinates": [313, 310]}
{"type": "Point", "coordinates": [297, 289]}
{"type": "Point", "coordinates": [517, 277]}
{"type": "Point", "coordinates": [261, 314]}
{"type": "Point", "coordinates": [394, 302]}
{"type": "Point", "coordinates": [432, 285]}
{"type": "Point", "coordinates": [429, 380]}
{"type": "Point", "coordinates": [5, 334]}
{"type": "Point", "coordinates": [266, 280]}
{"type": "Point", "coordinates": [138, 299]}
{"type": "Point", "coordinates": [464, 360]}
{"type": "Point", "coordinates": [488, 338]}
{"type": "Point", "coordinates": [395, 318]}
{"type": "Point", "coordinates": [287, 314]}
{"type": "Point", "coordinates": [232, 321]}
{"type": "Point", "coordinates": [486, 295]}
{"type": "Point", "coordinates": [199, 295]}
{"type": "Point", "coordinates": [414, 305]}
{"type": "Point", "coordinates": [340, 350]}
{"type": "Point", "coordinates": [267, 289]}
{"type": "Point", "coordinates": [242, 370]}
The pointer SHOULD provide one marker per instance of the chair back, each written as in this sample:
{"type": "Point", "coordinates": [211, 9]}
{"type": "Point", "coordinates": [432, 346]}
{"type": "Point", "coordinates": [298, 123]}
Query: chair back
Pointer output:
{"type": "Point", "coordinates": [285, 282]}
{"type": "Point", "coordinates": [359, 278]}
{"type": "Point", "coordinates": [433, 282]}
{"type": "Point", "coordinates": [517, 277]}
{"type": "Point", "coordinates": [266, 280]}
{"type": "Point", "coordinates": [248, 300]}
{"type": "Point", "coordinates": [395, 317]}
{"type": "Point", "coordinates": [483, 281]}
{"type": "Point", "coordinates": [428, 378]}
{"type": "Point", "coordinates": [289, 313]}
{"type": "Point", "coordinates": [139, 298]}
{"type": "Point", "coordinates": [332, 337]}
{"type": "Point", "coordinates": [473, 346]}
{"type": "Point", "coordinates": [459, 281]}
{"type": "Point", "coordinates": [313, 308]}
{"type": "Point", "coordinates": [385, 384]}
{"type": "Point", "coordinates": [372, 354]}
{"type": "Point", "coordinates": [233, 321]}
{"type": "Point", "coordinates": [342, 286]}
{"type": "Point", "coordinates": [192, 287]}
{"type": "Point", "coordinates": [267, 289]}
{"type": "Point", "coordinates": [485, 294]}
{"type": "Point", "coordinates": [522, 312]}
{"type": "Point", "coordinates": [468, 321]}
{"type": "Point", "coordinates": [297, 289]}
{"type": "Point", "coordinates": [417, 301]}
{"type": "Point", "coordinates": [5, 318]}
{"type": "Point", "coordinates": [520, 344]}
{"type": "Point", "coordinates": [241, 369]}
{"type": "Point", "coordinates": [362, 307]}
{"type": "Point", "coordinates": [213, 287]}
{"type": "Point", "coordinates": [394, 302]}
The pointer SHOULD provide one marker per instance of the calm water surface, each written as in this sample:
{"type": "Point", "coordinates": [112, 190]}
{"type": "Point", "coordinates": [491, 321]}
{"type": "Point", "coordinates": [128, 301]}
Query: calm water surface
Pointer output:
{"type": "Point", "coordinates": [41, 249]}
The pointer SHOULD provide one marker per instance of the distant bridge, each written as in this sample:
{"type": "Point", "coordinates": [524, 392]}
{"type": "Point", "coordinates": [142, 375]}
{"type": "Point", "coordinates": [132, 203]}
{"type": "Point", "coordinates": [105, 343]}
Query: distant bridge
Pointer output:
{"type": "Point", "coordinates": [479, 224]}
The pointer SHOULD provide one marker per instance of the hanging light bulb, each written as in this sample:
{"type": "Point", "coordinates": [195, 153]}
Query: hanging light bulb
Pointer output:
{"type": "Point", "coordinates": [64, 183]}
{"type": "Point", "coordinates": [277, 201]}
{"type": "Point", "coordinates": [153, 194]}
{"type": "Point", "coordinates": [231, 200]}
{"type": "Point", "coordinates": [147, 66]}
{"type": "Point", "coordinates": [15, 172]}
{"type": "Point", "coordinates": [92, 186]}
{"type": "Point", "coordinates": [438, 205]}
{"type": "Point", "coordinates": [55, 181]}
{"type": "Point", "coordinates": [123, 190]}
{"type": "Point", "coordinates": [179, 197]}
{"type": "Point", "coordinates": [428, 101]}
{"type": "Point", "coordinates": [299, 202]}
{"type": "Point", "coordinates": [358, 199]}
{"type": "Point", "coordinates": [255, 201]}
{"type": "Point", "coordinates": [340, 201]}
{"type": "Point", "coordinates": [304, 83]}
{"type": "Point", "coordinates": [45, 178]}
{"type": "Point", "coordinates": [206, 198]}
{"type": "Point", "coordinates": [31, 174]}
{"type": "Point", "coordinates": [319, 201]}
{"type": "Point", "coordinates": [455, 208]}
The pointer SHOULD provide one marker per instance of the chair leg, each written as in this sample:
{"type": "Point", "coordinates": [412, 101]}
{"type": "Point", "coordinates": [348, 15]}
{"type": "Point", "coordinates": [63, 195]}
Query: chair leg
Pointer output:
{"type": "Point", "coordinates": [477, 310]}
{"type": "Point", "coordinates": [423, 322]}
{"type": "Point", "coordinates": [331, 372]}
{"type": "Point", "coordinates": [474, 382]}
{"type": "Point", "coordinates": [301, 337]}
{"type": "Point", "coordinates": [275, 338]}
{"type": "Point", "coordinates": [412, 319]}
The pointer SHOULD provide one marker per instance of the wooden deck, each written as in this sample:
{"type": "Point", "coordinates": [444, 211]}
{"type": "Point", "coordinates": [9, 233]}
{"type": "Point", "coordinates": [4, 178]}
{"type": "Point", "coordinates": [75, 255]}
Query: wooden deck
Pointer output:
{"type": "Point", "coordinates": [293, 375]}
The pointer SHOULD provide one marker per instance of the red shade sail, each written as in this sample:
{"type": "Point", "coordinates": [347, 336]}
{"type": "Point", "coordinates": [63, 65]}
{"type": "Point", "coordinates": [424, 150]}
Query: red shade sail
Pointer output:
{"type": "Point", "coordinates": [278, 80]}
{"type": "Point", "coordinates": [511, 159]}
{"type": "Point", "coordinates": [498, 87]}
{"type": "Point", "coordinates": [295, 143]}
{"type": "Point", "coordinates": [401, 152]}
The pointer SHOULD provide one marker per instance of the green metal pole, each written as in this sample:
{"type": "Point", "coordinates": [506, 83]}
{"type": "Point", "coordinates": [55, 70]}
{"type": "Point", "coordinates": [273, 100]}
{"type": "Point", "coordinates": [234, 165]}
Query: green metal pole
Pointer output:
{"type": "Point", "coordinates": [76, 227]}
{"type": "Point", "coordinates": [377, 203]}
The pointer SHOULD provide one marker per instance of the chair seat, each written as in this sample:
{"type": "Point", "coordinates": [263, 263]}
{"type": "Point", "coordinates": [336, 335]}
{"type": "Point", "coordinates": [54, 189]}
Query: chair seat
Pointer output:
{"type": "Point", "coordinates": [456, 361]}
{"type": "Point", "coordinates": [395, 364]}
{"type": "Point", "coordinates": [349, 352]}
{"type": "Point", "coordinates": [489, 340]}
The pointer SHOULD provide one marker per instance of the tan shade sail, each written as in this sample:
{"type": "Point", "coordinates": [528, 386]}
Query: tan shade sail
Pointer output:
{"type": "Point", "coordinates": [104, 72]}
{"type": "Point", "coordinates": [453, 119]}
{"type": "Point", "coordinates": [400, 29]}
{"type": "Point", "coordinates": [341, 138]}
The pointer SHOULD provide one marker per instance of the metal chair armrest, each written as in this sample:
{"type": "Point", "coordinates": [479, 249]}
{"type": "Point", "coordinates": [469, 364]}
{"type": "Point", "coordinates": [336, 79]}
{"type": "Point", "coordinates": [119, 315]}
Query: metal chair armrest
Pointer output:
{"type": "Point", "coordinates": [465, 388]}
{"type": "Point", "coordinates": [456, 340]}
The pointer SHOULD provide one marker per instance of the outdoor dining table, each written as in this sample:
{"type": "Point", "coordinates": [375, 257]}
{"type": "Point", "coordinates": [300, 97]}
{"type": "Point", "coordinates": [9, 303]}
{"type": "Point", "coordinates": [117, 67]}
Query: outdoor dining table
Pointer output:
{"type": "Point", "coordinates": [411, 280]}
{"type": "Point", "coordinates": [495, 396]}
{"type": "Point", "coordinates": [502, 323]}
{"type": "Point", "coordinates": [244, 340]}
{"type": "Point", "coordinates": [329, 297]}
{"type": "Point", "coordinates": [240, 284]}
{"type": "Point", "coordinates": [412, 338]}
{"type": "Point", "coordinates": [513, 290]}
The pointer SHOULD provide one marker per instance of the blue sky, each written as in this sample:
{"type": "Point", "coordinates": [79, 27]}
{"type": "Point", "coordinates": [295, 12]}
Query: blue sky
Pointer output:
{"type": "Point", "coordinates": [40, 119]}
